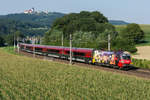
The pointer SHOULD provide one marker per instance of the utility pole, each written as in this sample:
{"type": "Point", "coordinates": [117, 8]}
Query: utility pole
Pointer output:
{"type": "Point", "coordinates": [18, 44]}
{"type": "Point", "coordinates": [33, 42]}
{"type": "Point", "coordinates": [62, 40]}
{"type": "Point", "coordinates": [14, 43]}
{"type": "Point", "coordinates": [70, 49]}
{"type": "Point", "coordinates": [108, 42]}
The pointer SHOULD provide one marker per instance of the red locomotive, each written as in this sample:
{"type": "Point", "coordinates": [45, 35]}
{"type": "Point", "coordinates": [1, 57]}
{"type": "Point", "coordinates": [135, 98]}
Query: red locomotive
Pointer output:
{"type": "Point", "coordinates": [119, 59]}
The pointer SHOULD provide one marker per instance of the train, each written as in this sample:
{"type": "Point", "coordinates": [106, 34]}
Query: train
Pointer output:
{"type": "Point", "coordinates": [118, 59]}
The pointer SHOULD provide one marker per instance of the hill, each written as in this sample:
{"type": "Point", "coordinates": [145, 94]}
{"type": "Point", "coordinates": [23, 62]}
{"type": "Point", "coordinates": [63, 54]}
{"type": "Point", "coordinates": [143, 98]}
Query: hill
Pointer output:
{"type": "Point", "coordinates": [34, 24]}
{"type": "Point", "coordinates": [87, 27]}
{"type": "Point", "coordinates": [44, 19]}
{"type": "Point", "coordinates": [118, 22]}
{"type": "Point", "coordinates": [8, 26]}
{"type": "Point", "coordinates": [28, 24]}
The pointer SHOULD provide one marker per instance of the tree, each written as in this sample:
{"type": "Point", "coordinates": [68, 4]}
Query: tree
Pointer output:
{"type": "Point", "coordinates": [10, 39]}
{"type": "Point", "coordinates": [121, 43]}
{"type": "Point", "coordinates": [99, 17]}
{"type": "Point", "coordinates": [84, 21]}
{"type": "Point", "coordinates": [18, 36]}
{"type": "Point", "coordinates": [85, 27]}
{"type": "Point", "coordinates": [133, 33]}
{"type": "Point", "coordinates": [14, 36]}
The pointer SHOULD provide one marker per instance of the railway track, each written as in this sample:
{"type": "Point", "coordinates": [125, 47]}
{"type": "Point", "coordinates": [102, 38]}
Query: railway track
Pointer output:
{"type": "Point", "coordinates": [134, 71]}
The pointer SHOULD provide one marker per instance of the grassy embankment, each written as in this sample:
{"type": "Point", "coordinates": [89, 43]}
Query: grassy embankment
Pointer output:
{"type": "Point", "coordinates": [25, 78]}
{"type": "Point", "coordinates": [141, 63]}
{"type": "Point", "coordinates": [10, 50]}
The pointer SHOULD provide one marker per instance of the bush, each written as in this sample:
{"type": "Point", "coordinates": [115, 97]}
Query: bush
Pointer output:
{"type": "Point", "coordinates": [123, 44]}
{"type": "Point", "coordinates": [132, 49]}
{"type": "Point", "coordinates": [133, 33]}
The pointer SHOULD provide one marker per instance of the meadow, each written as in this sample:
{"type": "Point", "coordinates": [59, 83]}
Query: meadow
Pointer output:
{"type": "Point", "coordinates": [24, 78]}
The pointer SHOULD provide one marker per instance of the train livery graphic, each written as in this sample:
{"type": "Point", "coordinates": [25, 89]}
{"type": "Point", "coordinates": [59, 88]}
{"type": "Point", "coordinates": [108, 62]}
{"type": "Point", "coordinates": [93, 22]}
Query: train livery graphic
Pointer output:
{"type": "Point", "coordinates": [118, 59]}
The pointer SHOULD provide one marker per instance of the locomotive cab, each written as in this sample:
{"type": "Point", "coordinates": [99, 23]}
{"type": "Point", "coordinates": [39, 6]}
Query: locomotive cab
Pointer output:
{"type": "Point", "coordinates": [124, 60]}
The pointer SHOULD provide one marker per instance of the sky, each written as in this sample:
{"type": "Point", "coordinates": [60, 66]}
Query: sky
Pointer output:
{"type": "Point", "coordinates": [133, 11]}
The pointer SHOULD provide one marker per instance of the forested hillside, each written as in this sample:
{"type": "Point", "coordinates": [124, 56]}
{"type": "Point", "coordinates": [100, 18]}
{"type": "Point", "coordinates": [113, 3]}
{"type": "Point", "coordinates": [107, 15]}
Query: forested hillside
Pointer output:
{"type": "Point", "coordinates": [89, 29]}
{"type": "Point", "coordinates": [8, 26]}
{"type": "Point", "coordinates": [28, 24]}
{"type": "Point", "coordinates": [33, 24]}
{"type": "Point", "coordinates": [42, 19]}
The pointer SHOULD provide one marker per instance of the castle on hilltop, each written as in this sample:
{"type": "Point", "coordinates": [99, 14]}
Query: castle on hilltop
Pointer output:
{"type": "Point", "coordinates": [32, 11]}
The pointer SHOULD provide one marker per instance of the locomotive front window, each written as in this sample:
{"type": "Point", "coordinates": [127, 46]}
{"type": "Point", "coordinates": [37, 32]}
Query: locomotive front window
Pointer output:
{"type": "Point", "coordinates": [126, 57]}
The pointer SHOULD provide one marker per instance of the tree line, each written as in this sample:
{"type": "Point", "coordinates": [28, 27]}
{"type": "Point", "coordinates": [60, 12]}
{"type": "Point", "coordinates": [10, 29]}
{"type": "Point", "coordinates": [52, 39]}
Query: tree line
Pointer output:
{"type": "Point", "coordinates": [90, 30]}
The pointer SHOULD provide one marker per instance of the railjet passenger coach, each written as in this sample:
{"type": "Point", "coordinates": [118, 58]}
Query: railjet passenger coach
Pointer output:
{"type": "Point", "coordinates": [118, 59]}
